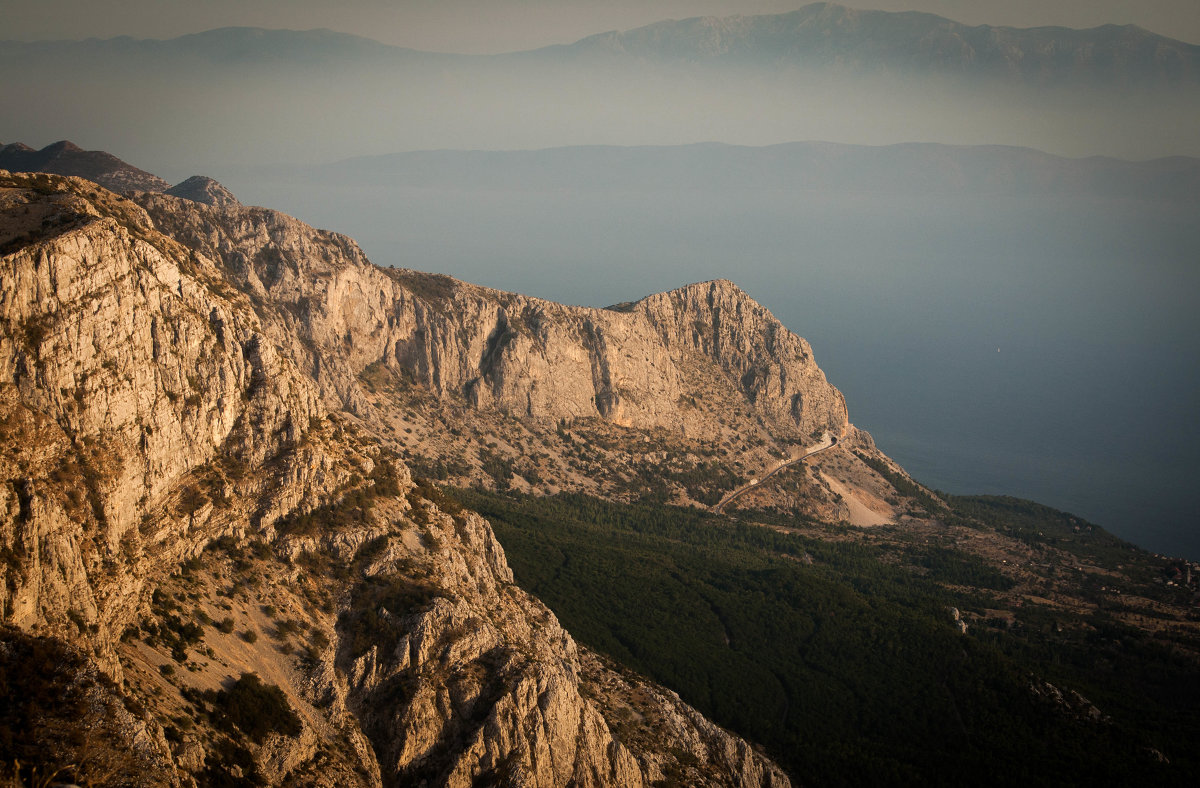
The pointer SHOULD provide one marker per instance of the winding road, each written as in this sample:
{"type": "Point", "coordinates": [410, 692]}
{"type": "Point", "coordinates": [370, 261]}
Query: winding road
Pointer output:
{"type": "Point", "coordinates": [827, 442]}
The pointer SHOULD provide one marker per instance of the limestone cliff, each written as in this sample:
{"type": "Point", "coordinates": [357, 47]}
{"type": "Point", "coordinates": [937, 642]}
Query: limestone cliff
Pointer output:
{"type": "Point", "coordinates": [195, 487]}
{"type": "Point", "coordinates": [773, 367]}
{"type": "Point", "coordinates": [628, 364]}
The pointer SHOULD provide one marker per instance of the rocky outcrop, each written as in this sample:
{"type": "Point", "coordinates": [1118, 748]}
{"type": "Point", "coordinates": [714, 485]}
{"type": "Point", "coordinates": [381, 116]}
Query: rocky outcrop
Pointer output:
{"type": "Point", "coordinates": [205, 191]}
{"type": "Point", "coordinates": [1066, 702]}
{"type": "Point", "coordinates": [183, 436]}
{"type": "Point", "coordinates": [492, 689]}
{"type": "Point", "coordinates": [773, 368]}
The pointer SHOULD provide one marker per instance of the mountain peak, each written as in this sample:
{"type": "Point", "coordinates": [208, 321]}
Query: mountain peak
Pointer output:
{"type": "Point", "coordinates": [204, 190]}
{"type": "Point", "coordinates": [62, 146]}
{"type": "Point", "coordinates": [712, 284]}
{"type": "Point", "coordinates": [67, 158]}
{"type": "Point", "coordinates": [711, 288]}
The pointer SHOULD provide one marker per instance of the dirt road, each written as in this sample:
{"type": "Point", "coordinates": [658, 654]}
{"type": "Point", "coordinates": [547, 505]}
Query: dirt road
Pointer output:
{"type": "Point", "coordinates": [828, 441]}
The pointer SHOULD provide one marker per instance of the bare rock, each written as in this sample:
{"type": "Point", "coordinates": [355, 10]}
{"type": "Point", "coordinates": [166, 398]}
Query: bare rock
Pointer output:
{"type": "Point", "coordinates": [204, 190]}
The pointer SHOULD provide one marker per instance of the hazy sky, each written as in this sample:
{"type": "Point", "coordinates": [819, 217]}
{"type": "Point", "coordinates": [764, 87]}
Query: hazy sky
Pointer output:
{"type": "Point", "coordinates": [483, 26]}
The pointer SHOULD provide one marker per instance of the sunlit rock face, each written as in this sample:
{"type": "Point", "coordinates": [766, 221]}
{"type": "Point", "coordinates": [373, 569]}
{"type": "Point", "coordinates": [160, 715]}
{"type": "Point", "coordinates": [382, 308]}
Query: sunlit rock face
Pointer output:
{"type": "Point", "coordinates": [187, 459]}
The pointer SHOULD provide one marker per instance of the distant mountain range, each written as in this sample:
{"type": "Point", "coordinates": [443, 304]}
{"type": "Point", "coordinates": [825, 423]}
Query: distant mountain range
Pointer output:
{"type": "Point", "coordinates": [827, 35]}
{"type": "Point", "coordinates": [817, 36]}
{"type": "Point", "coordinates": [245, 96]}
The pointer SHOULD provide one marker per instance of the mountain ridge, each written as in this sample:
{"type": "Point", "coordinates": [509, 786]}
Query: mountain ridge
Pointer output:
{"type": "Point", "coordinates": [819, 34]}
{"type": "Point", "coordinates": [825, 10]}
{"type": "Point", "coordinates": [67, 158]}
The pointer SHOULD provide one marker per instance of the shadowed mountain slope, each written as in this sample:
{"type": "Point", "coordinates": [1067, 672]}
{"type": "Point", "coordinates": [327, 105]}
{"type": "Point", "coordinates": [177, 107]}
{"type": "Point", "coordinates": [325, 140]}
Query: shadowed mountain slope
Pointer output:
{"type": "Point", "coordinates": [67, 158]}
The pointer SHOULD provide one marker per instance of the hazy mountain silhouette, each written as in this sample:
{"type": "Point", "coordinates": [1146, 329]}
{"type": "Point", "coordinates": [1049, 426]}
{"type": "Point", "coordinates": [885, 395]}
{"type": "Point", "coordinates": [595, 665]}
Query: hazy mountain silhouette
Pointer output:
{"type": "Point", "coordinates": [827, 35]}
{"type": "Point", "coordinates": [817, 36]}
{"type": "Point", "coordinates": [247, 95]}
{"type": "Point", "coordinates": [67, 158]}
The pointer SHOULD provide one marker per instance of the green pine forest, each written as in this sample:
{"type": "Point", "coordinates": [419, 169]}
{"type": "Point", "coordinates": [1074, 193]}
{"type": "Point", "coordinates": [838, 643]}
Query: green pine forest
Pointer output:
{"type": "Point", "coordinates": [842, 658]}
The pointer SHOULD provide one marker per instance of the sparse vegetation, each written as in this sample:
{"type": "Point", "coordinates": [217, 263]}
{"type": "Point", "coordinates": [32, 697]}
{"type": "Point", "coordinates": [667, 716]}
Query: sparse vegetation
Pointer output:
{"type": "Point", "coordinates": [257, 709]}
{"type": "Point", "coordinates": [432, 288]}
{"type": "Point", "coordinates": [351, 509]}
{"type": "Point", "coordinates": [60, 718]}
{"type": "Point", "coordinates": [902, 484]}
{"type": "Point", "coordinates": [377, 607]}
